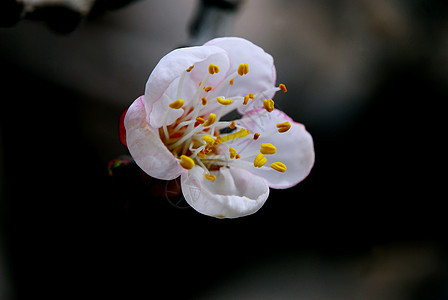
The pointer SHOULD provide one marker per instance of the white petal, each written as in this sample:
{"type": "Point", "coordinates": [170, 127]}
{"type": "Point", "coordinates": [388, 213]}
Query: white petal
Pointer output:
{"type": "Point", "coordinates": [294, 148]}
{"type": "Point", "coordinates": [162, 85]}
{"type": "Point", "coordinates": [145, 146]}
{"type": "Point", "coordinates": [234, 192]}
{"type": "Point", "coordinates": [262, 73]}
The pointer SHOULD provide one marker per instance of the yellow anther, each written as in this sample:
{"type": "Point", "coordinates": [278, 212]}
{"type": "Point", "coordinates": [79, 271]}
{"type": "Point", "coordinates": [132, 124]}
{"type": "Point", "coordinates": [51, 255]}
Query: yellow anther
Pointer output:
{"type": "Point", "coordinates": [211, 119]}
{"type": "Point", "coordinates": [204, 101]}
{"type": "Point", "coordinates": [283, 127]}
{"type": "Point", "coordinates": [186, 162]}
{"type": "Point", "coordinates": [224, 101]}
{"type": "Point", "coordinates": [249, 96]}
{"type": "Point", "coordinates": [202, 154]}
{"type": "Point", "coordinates": [218, 141]}
{"type": "Point", "coordinates": [237, 156]}
{"type": "Point", "coordinates": [232, 125]}
{"type": "Point", "coordinates": [200, 83]}
{"type": "Point", "coordinates": [268, 148]}
{"type": "Point", "coordinates": [240, 133]}
{"type": "Point", "coordinates": [246, 99]}
{"type": "Point", "coordinates": [232, 152]}
{"type": "Point", "coordinates": [260, 160]}
{"type": "Point", "coordinates": [243, 69]}
{"type": "Point", "coordinates": [190, 68]}
{"type": "Point", "coordinates": [268, 104]}
{"type": "Point", "coordinates": [282, 87]}
{"type": "Point", "coordinates": [177, 104]}
{"type": "Point", "coordinates": [208, 139]}
{"type": "Point", "coordinates": [212, 69]}
{"type": "Point", "coordinates": [210, 177]}
{"type": "Point", "coordinates": [208, 89]}
{"type": "Point", "coordinates": [278, 166]}
{"type": "Point", "coordinates": [200, 120]}
{"type": "Point", "coordinates": [256, 136]}
{"type": "Point", "coordinates": [231, 81]}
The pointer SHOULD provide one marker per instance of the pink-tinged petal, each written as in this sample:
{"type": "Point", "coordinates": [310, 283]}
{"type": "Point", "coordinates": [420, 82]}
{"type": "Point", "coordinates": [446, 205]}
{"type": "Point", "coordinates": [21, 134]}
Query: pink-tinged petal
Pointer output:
{"type": "Point", "coordinates": [262, 74]}
{"type": "Point", "coordinates": [145, 146]}
{"type": "Point", "coordinates": [295, 148]}
{"type": "Point", "coordinates": [234, 193]}
{"type": "Point", "coordinates": [163, 83]}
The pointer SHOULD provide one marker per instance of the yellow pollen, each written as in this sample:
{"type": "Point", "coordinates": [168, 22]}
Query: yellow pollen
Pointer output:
{"type": "Point", "coordinates": [208, 139]}
{"type": "Point", "coordinates": [282, 87]}
{"type": "Point", "coordinates": [268, 148]}
{"type": "Point", "coordinates": [231, 81]}
{"type": "Point", "coordinates": [232, 152]}
{"type": "Point", "coordinates": [212, 69]}
{"type": "Point", "coordinates": [232, 125]}
{"type": "Point", "coordinates": [283, 127]}
{"type": "Point", "coordinates": [200, 120]}
{"type": "Point", "coordinates": [251, 96]}
{"type": "Point", "coordinates": [186, 162]}
{"type": "Point", "coordinates": [237, 156]}
{"type": "Point", "coordinates": [256, 136]}
{"type": "Point", "coordinates": [200, 82]}
{"type": "Point", "coordinates": [177, 104]}
{"type": "Point", "coordinates": [211, 119]}
{"type": "Point", "coordinates": [241, 133]}
{"type": "Point", "coordinates": [224, 101]}
{"type": "Point", "coordinates": [278, 166]}
{"type": "Point", "coordinates": [208, 89]}
{"type": "Point", "coordinates": [210, 177]}
{"type": "Point", "coordinates": [204, 101]}
{"type": "Point", "coordinates": [190, 68]}
{"type": "Point", "coordinates": [260, 160]}
{"type": "Point", "coordinates": [268, 104]}
{"type": "Point", "coordinates": [243, 69]}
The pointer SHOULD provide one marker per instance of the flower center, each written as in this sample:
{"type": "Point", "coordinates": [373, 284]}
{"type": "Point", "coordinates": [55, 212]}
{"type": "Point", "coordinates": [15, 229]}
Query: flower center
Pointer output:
{"type": "Point", "coordinates": [199, 137]}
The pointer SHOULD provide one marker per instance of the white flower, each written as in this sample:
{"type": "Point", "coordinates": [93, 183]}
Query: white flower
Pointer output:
{"type": "Point", "coordinates": [226, 167]}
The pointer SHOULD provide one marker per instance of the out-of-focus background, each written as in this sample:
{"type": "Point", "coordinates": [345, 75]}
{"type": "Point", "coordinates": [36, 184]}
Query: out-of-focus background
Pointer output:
{"type": "Point", "coordinates": [369, 80]}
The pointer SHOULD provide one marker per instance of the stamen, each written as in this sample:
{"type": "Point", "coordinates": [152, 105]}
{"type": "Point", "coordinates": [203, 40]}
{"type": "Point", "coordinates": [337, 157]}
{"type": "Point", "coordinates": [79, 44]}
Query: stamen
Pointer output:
{"type": "Point", "coordinates": [208, 139]}
{"type": "Point", "coordinates": [186, 162]}
{"type": "Point", "coordinates": [231, 81]}
{"type": "Point", "coordinates": [232, 152]}
{"type": "Point", "coordinates": [256, 136]}
{"type": "Point", "coordinates": [268, 104]}
{"type": "Point", "coordinates": [243, 69]}
{"type": "Point", "coordinates": [278, 166]}
{"type": "Point", "coordinates": [260, 160]}
{"type": "Point", "coordinates": [200, 120]}
{"type": "Point", "coordinates": [177, 104]}
{"type": "Point", "coordinates": [224, 101]}
{"type": "Point", "coordinates": [208, 89]}
{"type": "Point", "coordinates": [204, 101]}
{"type": "Point", "coordinates": [202, 154]}
{"type": "Point", "coordinates": [212, 69]}
{"type": "Point", "coordinates": [267, 148]}
{"type": "Point", "coordinates": [190, 68]}
{"type": "Point", "coordinates": [282, 87]}
{"type": "Point", "coordinates": [210, 177]}
{"type": "Point", "coordinates": [246, 99]}
{"type": "Point", "coordinates": [232, 125]}
{"type": "Point", "coordinates": [283, 127]}
{"type": "Point", "coordinates": [211, 119]}
{"type": "Point", "coordinates": [218, 140]}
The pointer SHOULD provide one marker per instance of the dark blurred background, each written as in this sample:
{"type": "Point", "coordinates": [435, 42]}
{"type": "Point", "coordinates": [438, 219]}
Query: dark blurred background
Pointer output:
{"type": "Point", "coordinates": [368, 78]}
